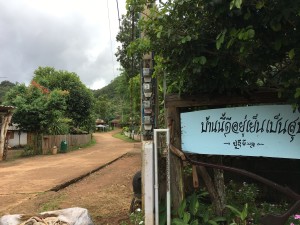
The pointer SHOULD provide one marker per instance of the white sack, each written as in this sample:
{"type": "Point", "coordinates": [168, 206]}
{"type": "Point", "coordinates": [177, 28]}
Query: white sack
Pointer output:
{"type": "Point", "coordinates": [73, 216]}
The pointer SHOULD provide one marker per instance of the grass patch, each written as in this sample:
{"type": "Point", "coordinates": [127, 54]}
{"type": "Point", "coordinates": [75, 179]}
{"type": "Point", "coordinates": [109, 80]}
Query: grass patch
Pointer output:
{"type": "Point", "coordinates": [53, 204]}
{"type": "Point", "coordinates": [13, 155]}
{"type": "Point", "coordinates": [123, 137]}
{"type": "Point", "coordinates": [91, 143]}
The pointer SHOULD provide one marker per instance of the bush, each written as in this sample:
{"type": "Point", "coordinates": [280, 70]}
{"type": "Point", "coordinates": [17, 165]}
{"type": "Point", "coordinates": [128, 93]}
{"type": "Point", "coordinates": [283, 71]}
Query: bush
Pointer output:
{"type": "Point", "coordinates": [125, 129]}
{"type": "Point", "coordinates": [244, 206]}
{"type": "Point", "coordinates": [28, 151]}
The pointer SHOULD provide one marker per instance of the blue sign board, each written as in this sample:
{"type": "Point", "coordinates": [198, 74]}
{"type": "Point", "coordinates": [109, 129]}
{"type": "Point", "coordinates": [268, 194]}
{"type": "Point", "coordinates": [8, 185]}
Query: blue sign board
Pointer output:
{"type": "Point", "coordinates": [267, 130]}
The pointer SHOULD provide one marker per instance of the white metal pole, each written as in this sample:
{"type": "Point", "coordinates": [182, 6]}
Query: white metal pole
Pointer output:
{"type": "Point", "coordinates": [156, 205]}
{"type": "Point", "coordinates": [147, 173]}
{"type": "Point", "coordinates": [168, 195]}
{"type": "Point", "coordinates": [168, 180]}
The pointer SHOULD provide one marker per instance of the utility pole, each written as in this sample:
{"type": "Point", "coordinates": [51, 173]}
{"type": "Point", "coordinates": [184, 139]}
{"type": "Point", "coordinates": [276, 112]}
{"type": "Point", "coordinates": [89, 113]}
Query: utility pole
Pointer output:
{"type": "Point", "coordinates": [149, 123]}
{"type": "Point", "coordinates": [132, 75]}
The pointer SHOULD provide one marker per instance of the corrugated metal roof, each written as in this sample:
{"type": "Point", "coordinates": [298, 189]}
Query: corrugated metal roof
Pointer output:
{"type": "Point", "coordinates": [13, 127]}
{"type": "Point", "coordinates": [5, 108]}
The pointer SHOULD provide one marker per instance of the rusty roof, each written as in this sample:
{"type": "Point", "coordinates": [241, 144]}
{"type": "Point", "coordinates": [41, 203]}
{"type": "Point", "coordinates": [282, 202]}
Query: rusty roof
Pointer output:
{"type": "Point", "coordinates": [4, 108]}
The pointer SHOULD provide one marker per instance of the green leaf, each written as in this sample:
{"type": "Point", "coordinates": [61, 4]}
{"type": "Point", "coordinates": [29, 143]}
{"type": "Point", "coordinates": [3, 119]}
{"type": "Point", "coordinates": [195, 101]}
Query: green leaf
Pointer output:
{"type": "Point", "coordinates": [194, 204]}
{"type": "Point", "coordinates": [235, 3]}
{"type": "Point", "coordinates": [186, 217]}
{"type": "Point", "coordinates": [160, 28]}
{"type": "Point", "coordinates": [220, 39]}
{"type": "Point", "coordinates": [230, 43]}
{"type": "Point", "coordinates": [205, 216]}
{"type": "Point", "coordinates": [276, 26]}
{"type": "Point", "coordinates": [238, 3]}
{"type": "Point", "coordinates": [292, 53]}
{"type": "Point", "coordinates": [232, 3]}
{"type": "Point", "coordinates": [247, 15]}
{"type": "Point", "coordinates": [241, 35]}
{"type": "Point", "coordinates": [251, 33]}
{"type": "Point", "coordinates": [244, 213]}
{"type": "Point", "coordinates": [277, 44]}
{"type": "Point", "coordinates": [194, 222]}
{"type": "Point", "coordinates": [233, 32]}
{"type": "Point", "coordinates": [181, 2]}
{"type": "Point", "coordinates": [169, 32]}
{"type": "Point", "coordinates": [177, 221]}
{"type": "Point", "coordinates": [234, 210]}
{"type": "Point", "coordinates": [260, 4]}
{"type": "Point", "coordinates": [220, 219]}
{"type": "Point", "coordinates": [297, 93]}
{"type": "Point", "coordinates": [242, 48]}
{"type": "Point", "coordinates": [162, 218]}
{"type": "Point", "coordinates": [181, 209]}
{"type": "Point", "coordinates": [212, 222]}
{"type": "Point", "coordinates": [202, 60]}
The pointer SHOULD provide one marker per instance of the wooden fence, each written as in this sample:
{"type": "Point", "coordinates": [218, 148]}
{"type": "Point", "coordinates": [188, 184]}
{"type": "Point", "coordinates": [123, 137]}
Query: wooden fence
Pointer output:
{"type": "Point", "coordinates": [47, 142]}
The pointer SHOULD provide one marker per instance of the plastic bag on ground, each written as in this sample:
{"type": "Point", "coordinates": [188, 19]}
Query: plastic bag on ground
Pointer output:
{"type": "Point", "coordinates": [70, 216]}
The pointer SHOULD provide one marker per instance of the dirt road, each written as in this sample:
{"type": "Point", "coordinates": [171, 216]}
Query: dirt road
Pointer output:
{"type": "Point", "coordinates": [26, 183]}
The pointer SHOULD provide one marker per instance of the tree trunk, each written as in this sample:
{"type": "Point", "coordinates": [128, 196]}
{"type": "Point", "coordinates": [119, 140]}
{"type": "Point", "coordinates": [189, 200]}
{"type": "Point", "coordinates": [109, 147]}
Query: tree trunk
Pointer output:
{"type": "Point", "coordinates": [5, 120]}
{"type": "Point", "coordinates": [213, 191]}
{"type": "Point", "coordinates": [176, 170]}
{"type": "Point", "coordinates": [37, 143]}
{"type": "Point", "coordinates": [220, 188]}
{"type": "Point", "coordinates": [219, 183]}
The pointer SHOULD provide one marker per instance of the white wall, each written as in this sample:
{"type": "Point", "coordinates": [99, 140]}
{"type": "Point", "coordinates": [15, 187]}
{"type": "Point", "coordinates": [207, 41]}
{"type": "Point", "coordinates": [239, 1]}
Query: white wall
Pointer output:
{"type": "Point", "coordinates": [18, 139]}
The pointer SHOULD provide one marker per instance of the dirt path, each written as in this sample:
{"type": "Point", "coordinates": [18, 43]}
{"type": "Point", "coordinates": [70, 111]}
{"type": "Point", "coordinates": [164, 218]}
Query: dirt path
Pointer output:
{"type": "Point", "coordinates": [106, 193]}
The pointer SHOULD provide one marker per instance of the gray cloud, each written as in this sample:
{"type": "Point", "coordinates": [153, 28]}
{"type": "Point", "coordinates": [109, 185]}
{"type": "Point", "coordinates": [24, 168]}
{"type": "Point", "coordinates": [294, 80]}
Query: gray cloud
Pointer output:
{"type": "Point", "coordinates": [71, 40]}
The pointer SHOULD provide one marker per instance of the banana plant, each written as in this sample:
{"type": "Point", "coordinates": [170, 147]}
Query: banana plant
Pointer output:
{"type": "Point", "coordinates": [241, 216]}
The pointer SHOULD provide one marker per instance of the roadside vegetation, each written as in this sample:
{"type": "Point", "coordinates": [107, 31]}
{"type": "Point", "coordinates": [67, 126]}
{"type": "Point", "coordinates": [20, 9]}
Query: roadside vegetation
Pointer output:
{"type": "Point", "coordinates": [218, 48]}
{"type": "Point", "coordinates": [53, 203]}
{"type": "Point", "coordinates": [123, 137]}
{"type": "Point", "coordinates": [56, 102]}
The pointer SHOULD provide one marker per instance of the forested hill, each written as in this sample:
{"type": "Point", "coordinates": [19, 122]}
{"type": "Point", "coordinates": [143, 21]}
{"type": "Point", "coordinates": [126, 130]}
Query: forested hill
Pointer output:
{"type": "Point", "coordinates": [4, 87]}
{"type": "Point", "coordinates": [111, 91]}
{"type": "Point", "coordinates": [120, 99]}
{"type": "Point", "coordinates": [114, 89]}
{"type": "Point", "coordinates": [108, 90]}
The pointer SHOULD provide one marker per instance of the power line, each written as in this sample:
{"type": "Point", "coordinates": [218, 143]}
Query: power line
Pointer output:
{"type": "Point", "coordinates": [111, 48]}
{"type": "Point", "coordinates": [118, 13]}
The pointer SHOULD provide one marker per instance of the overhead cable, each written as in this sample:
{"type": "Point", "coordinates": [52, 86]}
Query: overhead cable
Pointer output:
{"type": "Point", "coordinates": [111, 48]}
{"type": "Point", "coordinates": [118, 13]}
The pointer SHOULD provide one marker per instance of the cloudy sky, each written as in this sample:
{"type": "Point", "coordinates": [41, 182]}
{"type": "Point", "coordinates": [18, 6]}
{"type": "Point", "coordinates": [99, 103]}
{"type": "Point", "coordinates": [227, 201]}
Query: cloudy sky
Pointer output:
{"type": "Point", "coordinates": [72, 35]}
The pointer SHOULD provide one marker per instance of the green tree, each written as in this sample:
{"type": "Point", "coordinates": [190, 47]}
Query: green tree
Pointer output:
{"type": "Point", "coordinates": [129, 32]}
{"type": "Point", "coordinates": [80, 101]}
{"type": "Point", "coordinates": [37, 108]}
{"type": "Point", "coordinates": [104, 108]}
{"type": "Point", "coordinates": [122, 100]}
{"type": "Point", "coordinates": [116, 101]}
{"type": "Point", "coordinates": [135, 89]}
{"type": "Point", "coordinates": [4, 87]}
{"type": "Point", "coordinates": [225, 46]}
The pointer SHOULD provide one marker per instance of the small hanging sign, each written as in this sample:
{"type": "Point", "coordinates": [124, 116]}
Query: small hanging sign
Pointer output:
{"type": "Point", "coordinates": [265, 130]}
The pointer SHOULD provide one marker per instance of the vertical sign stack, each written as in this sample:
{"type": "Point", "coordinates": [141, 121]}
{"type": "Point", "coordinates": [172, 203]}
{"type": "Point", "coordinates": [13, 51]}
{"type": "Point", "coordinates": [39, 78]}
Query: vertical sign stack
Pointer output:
{"type": "Point", "coordinates": [148, 99]}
